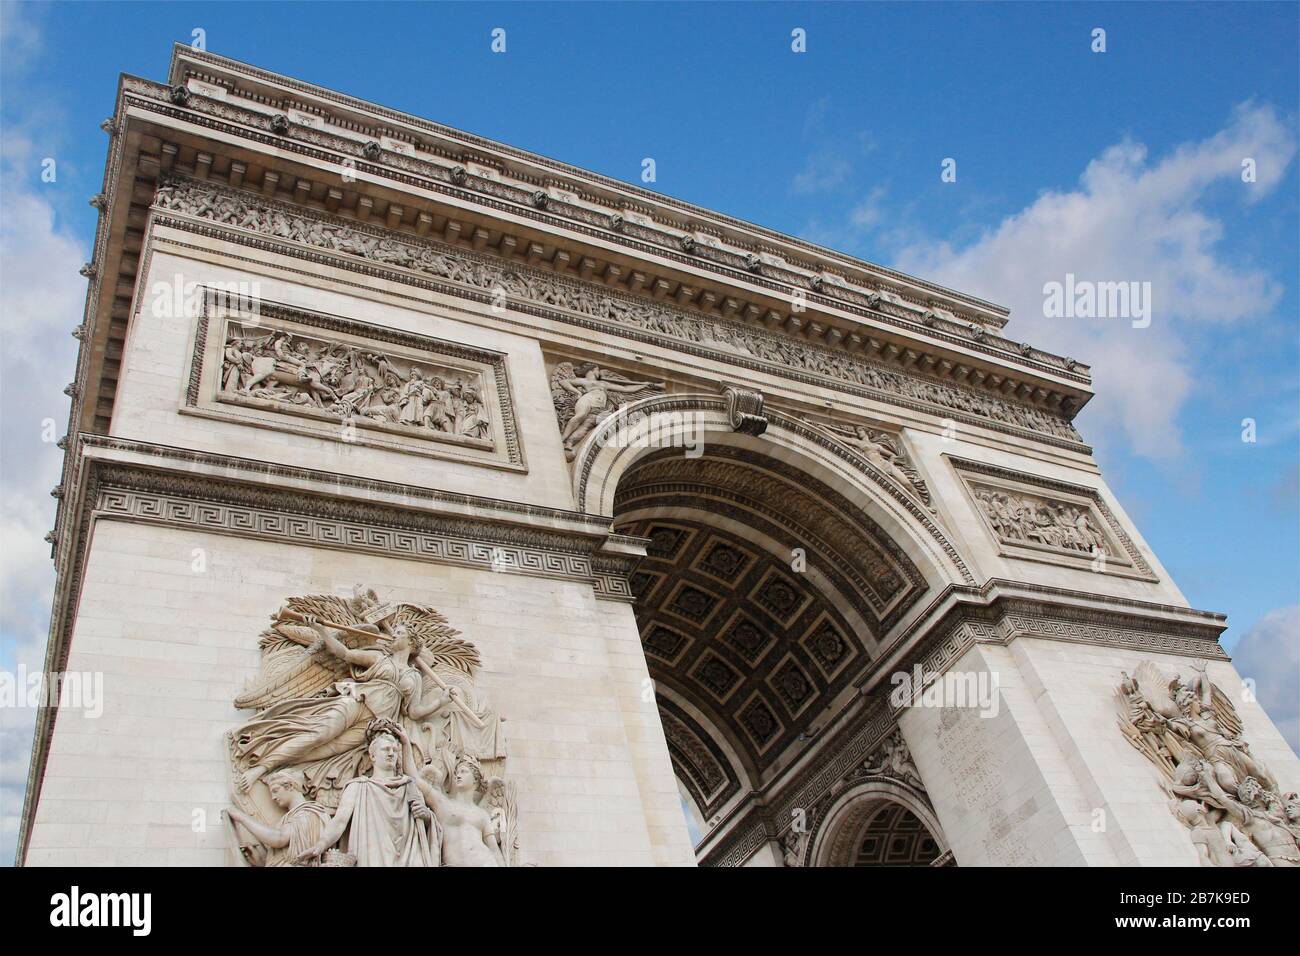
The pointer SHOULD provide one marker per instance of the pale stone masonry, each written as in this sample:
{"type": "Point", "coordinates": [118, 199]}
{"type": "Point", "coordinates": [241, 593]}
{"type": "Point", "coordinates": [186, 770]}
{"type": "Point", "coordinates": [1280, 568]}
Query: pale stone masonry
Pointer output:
{"type": "Point", "coordinates": [387, 436]}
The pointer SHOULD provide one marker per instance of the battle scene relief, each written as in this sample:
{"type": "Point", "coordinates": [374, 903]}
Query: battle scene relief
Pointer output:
{"type": "Point", "coordinates": [295, 372]}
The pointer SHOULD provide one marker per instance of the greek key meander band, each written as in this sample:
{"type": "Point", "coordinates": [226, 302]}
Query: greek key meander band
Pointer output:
{"type": "Point", "coordinates": [314, 531]}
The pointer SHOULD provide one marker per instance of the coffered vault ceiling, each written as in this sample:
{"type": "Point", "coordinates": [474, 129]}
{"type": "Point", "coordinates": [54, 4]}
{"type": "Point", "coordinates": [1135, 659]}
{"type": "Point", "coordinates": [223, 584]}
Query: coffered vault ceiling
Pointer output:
{"type": "Point", "coordinates": [759, 647]}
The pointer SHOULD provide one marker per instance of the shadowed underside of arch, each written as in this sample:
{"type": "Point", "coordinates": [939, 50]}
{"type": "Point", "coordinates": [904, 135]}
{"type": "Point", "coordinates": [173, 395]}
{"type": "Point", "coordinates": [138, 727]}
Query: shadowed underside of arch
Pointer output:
{"type": "Point", "coordinates": [894, 836]}
{"type": "Point", "coordinates": [880, 822]}
{"type": "Point", "coordinates": [811, 455]}
{"type": "Point", "coordinates": [762, 596]}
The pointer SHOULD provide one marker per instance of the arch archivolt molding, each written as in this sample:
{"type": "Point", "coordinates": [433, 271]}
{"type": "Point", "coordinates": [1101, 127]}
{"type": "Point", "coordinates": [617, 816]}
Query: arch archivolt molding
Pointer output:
{"type": "Point", "coordinates": [687, 420]}
{"type": "Point", "coordinates": [838, 831]}
{"type": "Point", "coordinates": [703, 756]}
{"type": "Point", "coordinates": [824, 825]}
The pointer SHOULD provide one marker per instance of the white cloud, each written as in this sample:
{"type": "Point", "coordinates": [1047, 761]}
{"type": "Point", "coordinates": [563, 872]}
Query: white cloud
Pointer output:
{"type": "Point", "coordinates": [1269, 654]}
{"type": "Point", "coordinates": [20, 34]}
{"type": "Point", "coordinates": [41, 298]}
{"type": "Point", "coordinates": [1130, 219]}
{"type": "Point", "coordinates": [869, 212]}
{"type": "Point", "coordinates": [823, 171]}
{"type": "Point", "coordinates": [834, 160]}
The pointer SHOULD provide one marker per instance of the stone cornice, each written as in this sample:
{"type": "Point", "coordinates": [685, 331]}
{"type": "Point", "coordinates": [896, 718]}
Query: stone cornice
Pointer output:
{"type": "Point", "coordinates": [909, 307]}
{"type": "Point", "coordinates": [248, 470]}
{"type": "Point", "coordinates": [1003, 611]}
{"type": "Point", "coordinates": [370, 122]}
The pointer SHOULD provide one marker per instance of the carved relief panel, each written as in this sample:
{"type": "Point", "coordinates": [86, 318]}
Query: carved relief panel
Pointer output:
{"type": "Point", "coordinates": [585, 395]}
{"type": "Point", "coordinates": [1037, 519]}
{"type": "Point", "coordinates": [369, 743]}
{"type": "Point", "coordinates": [275, 367]}
{"type": "Point", "coordinates": [1235, 811]}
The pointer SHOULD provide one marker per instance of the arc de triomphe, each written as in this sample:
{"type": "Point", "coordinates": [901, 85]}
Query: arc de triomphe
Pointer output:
{"type": "Point", "coordinates": [416, 484]}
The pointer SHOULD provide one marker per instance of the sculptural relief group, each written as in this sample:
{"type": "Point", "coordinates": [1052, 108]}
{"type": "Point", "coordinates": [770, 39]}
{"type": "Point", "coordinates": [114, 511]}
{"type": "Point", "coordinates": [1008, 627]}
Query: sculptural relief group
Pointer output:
{"type": "Point", "coordinates": [1020, 518]}
{"type": "Point", "coordinates": [585, 395]}
{"type": "Point", "coordinates": [351, 383]}
{"type": "Point", "coordinates": [268, 218]}
{"type": "Point", "coordinates": [1217, 788]}
{"type": "Point", "coordinates": [369, 745]}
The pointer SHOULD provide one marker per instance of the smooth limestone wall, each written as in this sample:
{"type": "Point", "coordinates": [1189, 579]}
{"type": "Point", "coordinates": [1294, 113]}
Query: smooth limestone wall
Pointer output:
{"type": "Point", "coordinates": [175, 646]}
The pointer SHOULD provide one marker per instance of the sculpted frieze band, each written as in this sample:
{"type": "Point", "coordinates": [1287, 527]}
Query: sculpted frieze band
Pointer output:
{"type": "Point", "coordinates": [370, 743]}
{"type": "Point", "coordinates": [725, 337]}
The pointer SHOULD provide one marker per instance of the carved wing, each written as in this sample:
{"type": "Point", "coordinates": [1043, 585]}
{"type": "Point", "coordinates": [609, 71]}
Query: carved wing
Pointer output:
{"type": "Point", "coordinates": [888, 440]}
{"type": "Point", "coordinates": [1143, 700]}
{"type": "Point", "coordinates": [442, 642]}
{"type": "Point", "coordinates": [839, 431]}
{"type": "Point", "coordinates": [627, 398]}
{"type": "Point", "coordinates": [842, 433]}
{"type": "Point", "coordinates": [620, 399]}
{"type": "Point", "coordinates": [288, 671]}
{"type": "Point", "coordinates": [327, 607]}
{"type": "Point", "coordinates": [1150, 742]}
{"type": "Point", "coordinates": [564, 399]}
{"type": "Point", "coordinates": [307, 678]}
{"type": "Point", "coordinates": [1225, 714]}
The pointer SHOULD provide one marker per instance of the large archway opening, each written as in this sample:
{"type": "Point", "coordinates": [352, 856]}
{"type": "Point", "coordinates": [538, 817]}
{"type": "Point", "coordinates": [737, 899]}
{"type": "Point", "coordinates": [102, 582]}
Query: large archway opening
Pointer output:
{"type": "Point", "coordinates": [764, 593]}
{"type": "Point", "coordinates": [880, 822]}
{"type": "Point", "coordinates": [779, 567]}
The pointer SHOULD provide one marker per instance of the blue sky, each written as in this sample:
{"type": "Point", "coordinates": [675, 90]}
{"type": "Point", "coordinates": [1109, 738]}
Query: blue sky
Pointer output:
{"type": "Point", "coordinates": [1119, 165]}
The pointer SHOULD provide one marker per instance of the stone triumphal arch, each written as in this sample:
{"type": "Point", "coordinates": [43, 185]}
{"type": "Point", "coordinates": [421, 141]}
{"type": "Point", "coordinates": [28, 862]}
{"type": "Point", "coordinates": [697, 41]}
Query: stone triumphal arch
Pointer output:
{"type": "Point", "coordinates": [427, 501]}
